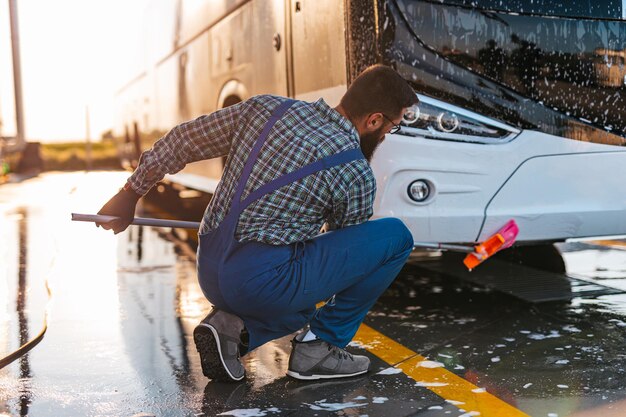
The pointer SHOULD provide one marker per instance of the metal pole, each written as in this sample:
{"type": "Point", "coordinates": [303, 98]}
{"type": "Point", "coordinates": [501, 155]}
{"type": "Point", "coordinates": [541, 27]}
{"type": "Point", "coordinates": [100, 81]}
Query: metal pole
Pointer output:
{"type": "Point", "coordinates": [88, 140]}
{"type": "Point", "coordinates": [444, 246]}
{"type": "Point", "coordinates": [144, 221]}
{"type": "Point", "coordinates": [139, 221]}
{"type": "Point", "coordinates": [17, 74]}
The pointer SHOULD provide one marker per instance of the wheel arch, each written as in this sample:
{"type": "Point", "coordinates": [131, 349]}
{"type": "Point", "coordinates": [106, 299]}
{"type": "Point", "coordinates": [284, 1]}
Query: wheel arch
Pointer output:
{"type": "Point", "coordinates": [232, 92]}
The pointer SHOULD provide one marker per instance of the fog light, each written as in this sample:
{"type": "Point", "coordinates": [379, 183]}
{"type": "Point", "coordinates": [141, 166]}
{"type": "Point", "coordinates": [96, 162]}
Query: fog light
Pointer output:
{"type": "Point", "coordinates": [419, 190]}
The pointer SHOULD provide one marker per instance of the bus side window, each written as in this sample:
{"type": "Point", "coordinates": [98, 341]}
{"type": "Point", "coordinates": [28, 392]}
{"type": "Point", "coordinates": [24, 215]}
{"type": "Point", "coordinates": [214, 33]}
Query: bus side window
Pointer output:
{"type": "Point", "coordinates": [606, 9]}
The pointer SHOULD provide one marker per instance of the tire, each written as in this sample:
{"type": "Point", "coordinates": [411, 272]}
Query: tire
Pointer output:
{"type": "Point", "coordinates": [545, 257]}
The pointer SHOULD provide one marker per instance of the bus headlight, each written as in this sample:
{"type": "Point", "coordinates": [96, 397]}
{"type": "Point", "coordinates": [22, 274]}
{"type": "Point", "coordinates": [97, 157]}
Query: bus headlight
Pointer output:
{"type": "Point", "coordinates": [435, 119]}
{"type": "Point", "coordinates": [447, 122]}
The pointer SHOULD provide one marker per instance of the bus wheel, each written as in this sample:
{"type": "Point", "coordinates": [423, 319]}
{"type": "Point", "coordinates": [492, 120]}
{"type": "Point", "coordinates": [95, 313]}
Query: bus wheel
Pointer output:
{"type": "Point", "coordinates": [545, 257]}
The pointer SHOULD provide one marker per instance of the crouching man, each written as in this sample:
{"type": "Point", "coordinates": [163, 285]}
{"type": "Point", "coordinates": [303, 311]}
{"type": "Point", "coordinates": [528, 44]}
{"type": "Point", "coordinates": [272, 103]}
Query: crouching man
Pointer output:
{"type": "Point", "coordinates": [292, 167]}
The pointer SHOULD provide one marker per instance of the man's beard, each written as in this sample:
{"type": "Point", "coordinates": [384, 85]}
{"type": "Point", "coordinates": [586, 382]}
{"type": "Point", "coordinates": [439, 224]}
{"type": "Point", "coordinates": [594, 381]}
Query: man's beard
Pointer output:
{"type": "Point", "coordinates": [370, 141]}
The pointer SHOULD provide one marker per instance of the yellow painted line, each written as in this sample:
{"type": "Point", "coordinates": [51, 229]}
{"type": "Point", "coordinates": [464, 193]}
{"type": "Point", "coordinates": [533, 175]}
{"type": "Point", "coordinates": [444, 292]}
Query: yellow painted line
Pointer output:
{"type": "Point", "coordinates": [439, 380]}
{"type": "Point", "coordinates": [611, 243]}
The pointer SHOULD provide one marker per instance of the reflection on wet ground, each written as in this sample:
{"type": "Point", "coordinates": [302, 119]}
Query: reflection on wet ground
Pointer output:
{"type": "Point", "coordinates": [123, 309]}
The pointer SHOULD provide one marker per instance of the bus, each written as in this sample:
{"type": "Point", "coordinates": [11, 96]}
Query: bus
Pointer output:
{"type": "Point", "coordinates": [522, 110]}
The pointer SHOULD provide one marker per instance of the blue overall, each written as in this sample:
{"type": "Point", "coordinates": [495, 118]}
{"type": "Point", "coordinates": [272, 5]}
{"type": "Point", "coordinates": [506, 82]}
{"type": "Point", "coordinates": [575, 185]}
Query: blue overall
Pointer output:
{"type": "Point", "coordinates": [274, 288]}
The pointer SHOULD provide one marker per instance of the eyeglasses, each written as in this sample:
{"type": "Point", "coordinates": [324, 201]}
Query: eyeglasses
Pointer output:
{"type": "Point", "coordinates": [395, 129]}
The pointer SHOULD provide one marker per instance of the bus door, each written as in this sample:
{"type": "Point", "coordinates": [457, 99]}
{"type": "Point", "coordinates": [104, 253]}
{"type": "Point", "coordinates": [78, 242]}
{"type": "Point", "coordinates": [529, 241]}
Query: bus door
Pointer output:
{"type": "Point", "coordinates": [267, 47]}
{"type": "Point", "coordinates": [318, 50]}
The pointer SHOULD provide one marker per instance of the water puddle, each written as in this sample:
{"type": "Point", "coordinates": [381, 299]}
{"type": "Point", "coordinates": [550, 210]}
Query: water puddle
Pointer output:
{"type": "Point", "coordinates": [322, 405]}
{"type": "Point", "coordinates": [250, 412]}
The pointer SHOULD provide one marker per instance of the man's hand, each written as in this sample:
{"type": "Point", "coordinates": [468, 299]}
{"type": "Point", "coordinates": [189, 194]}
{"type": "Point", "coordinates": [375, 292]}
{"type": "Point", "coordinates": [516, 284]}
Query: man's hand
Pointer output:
{"type": "Point", "coordinates": [122, 205]}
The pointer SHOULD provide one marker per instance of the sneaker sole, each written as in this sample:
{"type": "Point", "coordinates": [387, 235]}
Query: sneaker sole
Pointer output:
{"type": "Point", "coordinates": [302, 377]}
{"type": "Point", "coordinates": [208, 346]}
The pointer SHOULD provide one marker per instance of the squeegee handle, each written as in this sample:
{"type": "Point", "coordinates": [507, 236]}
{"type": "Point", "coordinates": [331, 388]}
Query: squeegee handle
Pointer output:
{"type": "Point", "coordinates": [444, 246]}
{"type": "Point", "coordinates": [139, 221]}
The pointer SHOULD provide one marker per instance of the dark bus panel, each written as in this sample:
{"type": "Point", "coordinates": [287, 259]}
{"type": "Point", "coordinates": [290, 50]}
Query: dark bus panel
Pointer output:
{"type": "Point", "coordinates": [559, 69]}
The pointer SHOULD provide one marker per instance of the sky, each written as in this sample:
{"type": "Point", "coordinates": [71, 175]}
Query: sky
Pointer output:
{"type": "Point", "coordinates": [75, 55]}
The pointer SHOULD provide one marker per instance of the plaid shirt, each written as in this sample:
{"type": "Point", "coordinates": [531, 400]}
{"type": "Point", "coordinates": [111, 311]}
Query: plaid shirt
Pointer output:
{"type": "Point", "coordinates": [340, 196]}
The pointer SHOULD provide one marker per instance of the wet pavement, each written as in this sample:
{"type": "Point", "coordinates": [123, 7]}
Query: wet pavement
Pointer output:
{"type": "Point", "coordinates": [122, 310]}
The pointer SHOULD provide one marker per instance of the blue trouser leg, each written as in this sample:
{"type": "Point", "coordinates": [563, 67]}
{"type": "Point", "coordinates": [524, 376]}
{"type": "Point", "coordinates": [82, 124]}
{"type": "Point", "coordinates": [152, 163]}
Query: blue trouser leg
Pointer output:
{"type": "Point", "coordinates": [356, 263]}
{"type": "Point", "coordinates": [367, 258]}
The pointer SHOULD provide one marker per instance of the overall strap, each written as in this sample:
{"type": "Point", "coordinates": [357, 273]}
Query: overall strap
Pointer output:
{"type": "Point", "coordinates": [324, 163]}
{"type": "Point", "coordinates": [280, 110]}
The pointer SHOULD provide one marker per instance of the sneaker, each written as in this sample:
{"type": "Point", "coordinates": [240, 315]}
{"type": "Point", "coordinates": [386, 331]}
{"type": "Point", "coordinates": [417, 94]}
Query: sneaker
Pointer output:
{"type": "Point", "coordinates": [318, 359]}
{"type": "Point", "coordinates": [217, 341]}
